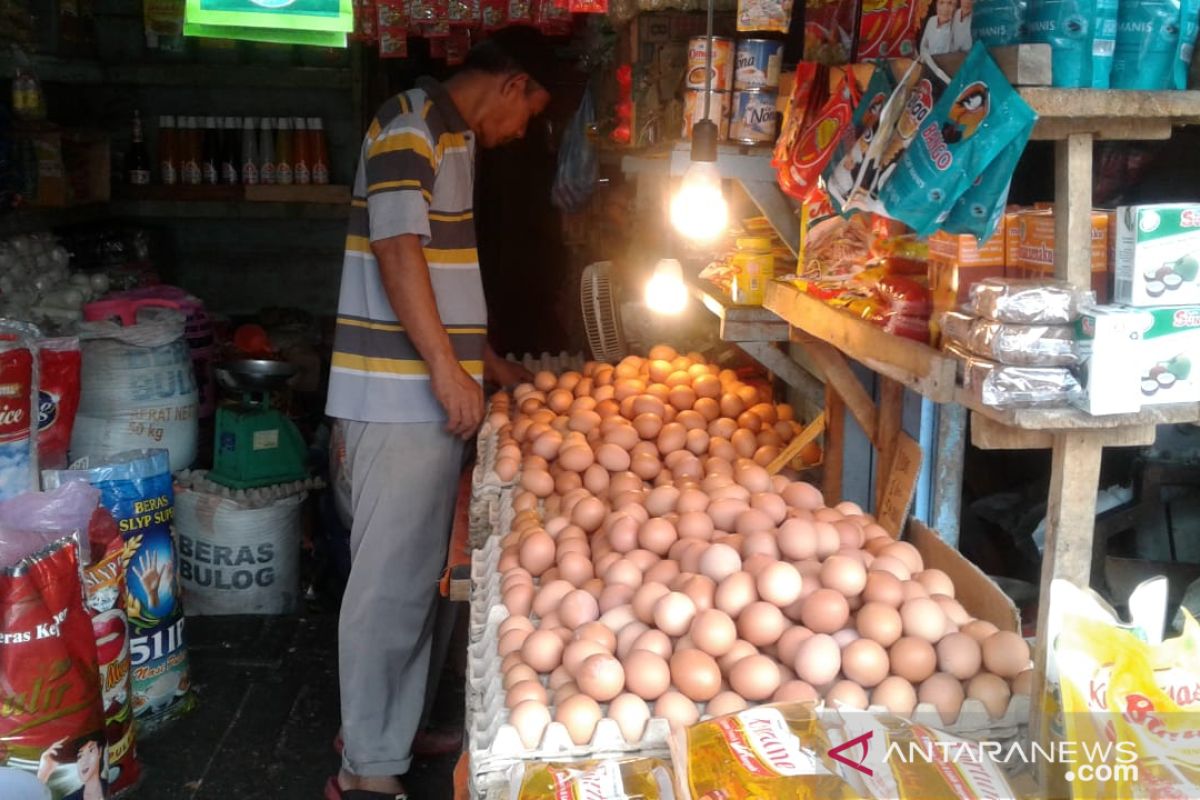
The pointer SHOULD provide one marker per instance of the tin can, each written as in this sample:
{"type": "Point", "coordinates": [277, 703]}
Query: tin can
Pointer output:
{"type": "Point", "coordinates": [754, 119]}
{"type": "Point", "coordinates": [718, 112]}
{"type": "Point", "coordinates": [757, 64]}
{"type": "Point", "coordinates": [722, 63]}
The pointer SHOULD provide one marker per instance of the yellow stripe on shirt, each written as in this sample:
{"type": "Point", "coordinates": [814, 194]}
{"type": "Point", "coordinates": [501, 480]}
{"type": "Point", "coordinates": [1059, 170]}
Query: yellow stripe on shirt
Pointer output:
{"type": "Point", "coordinates": [402, 140]}
{"type": "Point", "coordinates": [466, 255]}
{"type": "Point", "coordinates": [394, 366]}
{"type": "Point", "coordinates": [437, 216]}
{"type": "Point", "coordinates": [395, 326]}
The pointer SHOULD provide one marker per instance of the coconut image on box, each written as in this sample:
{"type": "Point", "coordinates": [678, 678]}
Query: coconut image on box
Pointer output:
{"type": "Point", "coordinates": [1158, 255]}
{"type": "Point", "coordinates": [1136, 357]}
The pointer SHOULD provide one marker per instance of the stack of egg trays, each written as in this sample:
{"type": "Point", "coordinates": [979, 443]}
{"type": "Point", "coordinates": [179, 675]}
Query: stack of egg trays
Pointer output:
{"type": "Point", "coordinates": [558, 364]}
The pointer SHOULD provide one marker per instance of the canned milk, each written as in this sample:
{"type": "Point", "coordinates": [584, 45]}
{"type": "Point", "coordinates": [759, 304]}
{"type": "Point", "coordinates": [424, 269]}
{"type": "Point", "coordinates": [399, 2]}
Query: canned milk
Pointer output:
{"type": "Point", "coordinates": [754, 119]}
{"type": "Point", "coordinates": [722, 63]}
{"type": "Point", "coordinates": [718, 112]}
{"type": "Point", "coordinates": [757, 64]}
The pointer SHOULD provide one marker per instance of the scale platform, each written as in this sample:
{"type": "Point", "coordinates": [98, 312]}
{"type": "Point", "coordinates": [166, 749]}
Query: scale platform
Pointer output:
{"type": "Point", "coordinates": [255, 444]}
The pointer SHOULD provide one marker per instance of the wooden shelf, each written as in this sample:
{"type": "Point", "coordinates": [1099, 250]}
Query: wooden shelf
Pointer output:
{"type": "Point", "coordinates": [739, 323]}
{"type": "Point", "coordinates": [916, 365]}
{"type": "Point", "coordinates": [50, 69]}
{"type": "Point", "coordinates": [253, 202]}
{"type": "Point", "coordinates": [31, 219]}
{"type": "Point", "coordinates": [1110, 113]}
{"type": "Point", "coordinates": [1073, 419]}
{"type": "Point", "coordinates": [238, 76]}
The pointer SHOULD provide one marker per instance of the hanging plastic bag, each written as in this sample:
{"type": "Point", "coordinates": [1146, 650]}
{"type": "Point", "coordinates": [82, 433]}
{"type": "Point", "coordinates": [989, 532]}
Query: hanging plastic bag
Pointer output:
{"type": "Point", "coordinates": [578, 166]}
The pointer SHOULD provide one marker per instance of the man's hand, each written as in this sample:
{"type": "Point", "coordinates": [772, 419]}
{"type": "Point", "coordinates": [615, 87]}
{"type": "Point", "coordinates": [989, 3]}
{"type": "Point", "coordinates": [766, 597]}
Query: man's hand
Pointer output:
{"type": "Point", "coordinates": [503, 372]}
{"type": "Point", "coordinates": [460, 396]}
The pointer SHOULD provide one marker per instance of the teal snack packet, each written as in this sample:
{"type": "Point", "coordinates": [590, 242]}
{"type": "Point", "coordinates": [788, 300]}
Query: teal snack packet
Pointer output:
{"type": "Point", "coordinates": [1082, 36]}
{"type": "Point", "coordinates": [981, 206]}
{"type": "Point", "coordinates": [851, 150]}
{"type": "Point", "coordinates": [999, 22]}
{"type": "Point", "coordinates": [1147, 43]}
{"type": "Point", "coordinates": [1189, 26]}
{"type": "Point", "coordinates": [975, 119]}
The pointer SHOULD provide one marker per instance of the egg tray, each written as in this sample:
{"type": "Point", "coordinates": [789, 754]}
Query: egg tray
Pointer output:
{"type": "Point", "coordinates": [486, 487]}
{"type": "Point", "coordinates": [558, 364]}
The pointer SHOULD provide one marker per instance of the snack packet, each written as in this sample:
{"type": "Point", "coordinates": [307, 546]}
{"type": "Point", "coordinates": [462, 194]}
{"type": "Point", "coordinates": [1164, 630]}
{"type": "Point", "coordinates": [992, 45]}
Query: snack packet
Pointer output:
{"type": "Point", "coordinates": [611, 779]}
{"type": "Point", "coordinates": [971, 124]}
{"type": "Point", "coordinates": [856, 139]}
{"type": "Point", "coordinates": [1082, 35]}
{"type": "Point", "coordinates": [772, 16]}
{"type": "Point", "coordinates": [889, 28]}
{"type": "Point", "coordinates": [828, 27]}
{"type": "Point", "coordinates": [1150, 43]}
{"type": "Point", "coordinates": [818, 128]}
{"type": "Point", "coordinates": [982, 205]}
{"type": "Point", "coordinates": [999, 22]}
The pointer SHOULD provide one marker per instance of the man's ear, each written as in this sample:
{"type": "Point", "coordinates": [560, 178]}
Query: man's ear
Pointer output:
{"type": "Point", "coordinates": [517, 83]}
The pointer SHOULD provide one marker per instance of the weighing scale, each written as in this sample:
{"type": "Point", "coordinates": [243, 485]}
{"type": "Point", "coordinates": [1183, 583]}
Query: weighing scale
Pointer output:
{"type": "Point", "coordinates": [256, 445]}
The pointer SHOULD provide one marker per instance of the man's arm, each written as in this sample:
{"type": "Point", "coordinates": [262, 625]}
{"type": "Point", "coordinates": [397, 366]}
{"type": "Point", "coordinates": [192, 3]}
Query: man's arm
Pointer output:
{"type": "Point", "coordinates": [501, 371]}
{"type": "Point", "coordinates": [405, 276]}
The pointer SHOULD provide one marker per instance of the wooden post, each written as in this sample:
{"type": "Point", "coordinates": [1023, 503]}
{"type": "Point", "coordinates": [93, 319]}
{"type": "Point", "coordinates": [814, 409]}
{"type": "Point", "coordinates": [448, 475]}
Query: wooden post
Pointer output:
{"type": "Point", "coordinates": [888, 416]}
{"type": "Point", "coordinates": [1070, 525]}
{"type": "Point", "coordinates": [1073, 209]}
{"type": "Point", "coordinates": [948, 471]}
{"type": "Point", "coordinates": [835, 446]}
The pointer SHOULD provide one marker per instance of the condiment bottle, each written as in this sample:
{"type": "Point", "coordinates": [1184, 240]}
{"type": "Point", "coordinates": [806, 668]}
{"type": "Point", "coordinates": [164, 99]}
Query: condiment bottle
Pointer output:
{"type": "Point", "coordinates": [231, 159]}
{"type": "Point", "coordinates": [210, 153]}
{"type": "Point", "coordinates": [754, 265]}
{"type": "Point", "coordinates": [266, 153]}
{"type": "Point", "coordinates": [249, 151]}
{"type": "Point", "coordinates": [283, 151]}
{"type": "Point", "coordinates": [189, 165]}
{"type": "Point", "coordinates": [137, 158]}
{"type": "Point", "coordinates": [302, 153]}
{"type": "Point", "coordinates": [168, 151]}
{"type": "Point", "coordinates": [320, 151]}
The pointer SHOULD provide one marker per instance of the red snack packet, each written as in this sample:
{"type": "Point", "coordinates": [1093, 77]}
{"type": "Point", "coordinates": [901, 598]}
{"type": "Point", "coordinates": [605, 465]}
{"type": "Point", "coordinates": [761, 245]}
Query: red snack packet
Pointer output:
{"type": "Point", "coordinates": [495, 14]}
{"type": "Point", "coordinates": [393, 29]}
{"type": "Point", "coordinates": [589, 6]}
{"type": "Point", "coordinates": [889, 28]}
{"type": "Point", "coordinates": [819, 129]}
{"type": "Point", "coordinates": [520, 12]}
{"type": "Point", "coordinates": [464, 14]}
{"type": "Point", "coordinates": [550, 17]}
{"type": "Point", "coordinates": [49, 676]}
{"type": "Point", "coordinates": [58, 399]}
{"type": "Point", "coordinates": [828, 28]}
{"type": "Point", "coordinates": [366, 22]}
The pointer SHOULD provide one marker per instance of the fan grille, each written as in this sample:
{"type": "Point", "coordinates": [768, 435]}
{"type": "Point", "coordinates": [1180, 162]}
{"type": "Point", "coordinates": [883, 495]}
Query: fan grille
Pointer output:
{"type": "Point", "coordinates": [601, 318]}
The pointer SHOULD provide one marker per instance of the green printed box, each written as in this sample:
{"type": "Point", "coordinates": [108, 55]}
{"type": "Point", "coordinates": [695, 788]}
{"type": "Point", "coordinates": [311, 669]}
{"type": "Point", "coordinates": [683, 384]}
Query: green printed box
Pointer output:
{"type": "Point", "coordinates": [1158, 255]}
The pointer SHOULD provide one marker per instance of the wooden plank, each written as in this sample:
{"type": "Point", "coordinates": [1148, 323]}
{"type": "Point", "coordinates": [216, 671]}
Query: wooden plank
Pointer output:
{"type": "Point", "coordinates": [1073, 210]}
{"type": "Point", "coordinates": [918, 366]}
{"type": "Point", "coordinates": [739, 323]}
{"type": "Point", "coordinates": [810, 432]}
{"type": "Point", "coordinates": [330, 194]}
{"type": "Point", "coordinates": [888, 414]}
{"type": "Point", "coordinates": [901, 483]}
{"type": "Point", "coordinates": [1103, 128]}
{"type": "Point", "coordinates": [990, 434]}
{"type": "Point", "coordinates": [1073, 419]}
{"type": "Point", "coordinates": [835, 446]}
{"type": "Point", "coordinates": [1055, 104]}
{"type": "Point", "coordinates": [787, 370]}
{"type": "Point", "coordinates": [948, 470]}
{"type": "Point", "coordinates": [842, 380]}
{"type": "Point", "coordinates": [1070, 523]}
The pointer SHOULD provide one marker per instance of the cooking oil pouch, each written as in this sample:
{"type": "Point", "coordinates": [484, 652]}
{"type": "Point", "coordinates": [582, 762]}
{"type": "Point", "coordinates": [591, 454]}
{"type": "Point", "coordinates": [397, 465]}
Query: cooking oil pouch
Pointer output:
{"type": "Point", "coordinates": [981, 206]}
{"type": "Point", "coordinates": [999, 22]}
{"type": "Point", "coordinates": [613, 779]}
{"type": "Point", "coordinates": [1082, 35]}
{"type": "Point", "coordinates": [1131, 708]}
{"type": "Point", "coordinates": [856, 138]}
{"type": "Point", "coordinates": [1150, 43]}
{"type": "Point", "coordinates": [975, 119]}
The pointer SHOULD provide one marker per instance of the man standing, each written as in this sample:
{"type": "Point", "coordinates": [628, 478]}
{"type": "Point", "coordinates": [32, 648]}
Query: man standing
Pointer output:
{"type": "Point", "coordinates": [410, 352]}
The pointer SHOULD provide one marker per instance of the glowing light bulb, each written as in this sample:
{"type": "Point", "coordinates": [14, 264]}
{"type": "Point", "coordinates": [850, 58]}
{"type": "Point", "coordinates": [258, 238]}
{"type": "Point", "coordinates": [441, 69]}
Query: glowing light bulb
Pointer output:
{"type": "Point", "coordinates": [699, 210]}
{"type": "Point", "coordinates": [666, 292]}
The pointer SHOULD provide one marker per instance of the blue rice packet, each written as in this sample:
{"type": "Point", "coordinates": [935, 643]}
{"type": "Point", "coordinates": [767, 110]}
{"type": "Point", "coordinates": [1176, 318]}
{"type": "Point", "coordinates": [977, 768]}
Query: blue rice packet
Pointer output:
{"type": "Point", "coordinates": [1189, 26]}
{"type": "Point", "coordinates": [1082, 36]}
{"type": "Point", "coordinates": [1147, 44]}
{"type": "Point", "coordinates": [999, 22]}
{"type": "Point", "coordinates": [975, 119]}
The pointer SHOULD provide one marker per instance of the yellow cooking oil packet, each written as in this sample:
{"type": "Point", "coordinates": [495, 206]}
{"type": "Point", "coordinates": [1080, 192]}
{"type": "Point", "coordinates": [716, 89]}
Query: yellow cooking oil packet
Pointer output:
{"type": "Point", "coordinates": [1131, 710]}
{"type": "Point", "coordinates": [610, 779]}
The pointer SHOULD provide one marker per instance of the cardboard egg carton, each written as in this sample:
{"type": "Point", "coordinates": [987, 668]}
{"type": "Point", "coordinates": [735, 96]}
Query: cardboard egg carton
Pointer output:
{"type": "Point", "coordinates": [563, 362]}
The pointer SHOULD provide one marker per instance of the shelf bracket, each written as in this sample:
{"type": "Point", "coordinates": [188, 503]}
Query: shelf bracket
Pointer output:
{"type": "Point", "coordinates": [777, 208]}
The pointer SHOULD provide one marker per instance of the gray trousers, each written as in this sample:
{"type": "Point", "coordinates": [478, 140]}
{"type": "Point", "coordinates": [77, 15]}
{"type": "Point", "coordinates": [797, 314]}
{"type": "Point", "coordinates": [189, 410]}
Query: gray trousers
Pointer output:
{"type": "Point", "coordinates": [401, 481]}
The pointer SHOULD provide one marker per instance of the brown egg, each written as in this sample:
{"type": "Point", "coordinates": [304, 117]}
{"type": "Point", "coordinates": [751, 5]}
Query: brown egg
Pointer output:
{"type": "Point", "coordinates": [779, 583]}
{"type": "Point", "coordinates": [644, 600]}
{"type": "Point", "coordinates": [952, 609]}
{"type": "Point", "coordinates": [511, 641]}
{"type": "Point", "coordinates": [906, 553]}
{"type": "Point", "coordinates": [896, 695]}
{"type": "Point", "coordinates": [597, 632]}
{"type": "Point", "coordinates": [542, 650]}
{"type": "Point", "coordinates": [579, 714]}
{"type": "Point", "coordinates": [719, 562]}
{"type": "Point", "coordinates": [518, 673]}
{"type": "Point", "coordinates": [943, 692]}
{"type": "Point", "coordinates": [912, 658]}
{"type": "Point", "coordinates": [701, 590]}
{"type": "Point", "coordinates": [631, 714]}
{"type": "Point", "coordinates": [601, 677]}
{"type": "Point", "coordinates": [979, 629]}
{"type": "Point", "coordinates": [893, 566]}
{"type": "Point", "coordinates": [879, 622]}
{"type": "Point", "coordinates": [615, 619]}
{"type": "Point", "coordinates": [923, 618]}
{"type": "Point", "coordinates": [789, 643]}
{"type": "Point", "coordinates": [992, 691]}
{"type": "Point", "coordinates": [818, 659]}
{"type": "Point", "coordinates": [846, 694]}
{"type": "Point", "coordinates": [578, 608]}
{"type": "Point", "coordinates": [725, 703]}
{"type": "Point", "coordinates": [755, 677]}
{"type": "Point", "coordinates": [615, 596]}
{"type": "Point", "coordinates": [752, 521]}
{"type": "Point", "coordinates": [865, 662]}
{"type": "Point", "coordinates": [846, 575]}
{"type": "Point", "coordinates": [588, 514]}
{"type": "Point", "coordinates": [797, 539]}
{"type": "Point", "coordinates": [795, 691]}
{"type": "Point", "coordinates": [1006, 654]}
{"type": "Point", "coordinates": [530, 719]}
{"type": "Point", "coordinates": [525, 690]}
{"type": "Point", "coordinates": [695, 525]}
{"type": "Point", "coordinates": [514, 623]}
{"type": "Point", "coordinates": [518, 599]}
{"type": "Point", "coordinates": [696, 674]}
{"type": "Point", "coordinates": [825, 611]}
{"type": "Point", "coordinates": [714, 632]}
{"type": "Point", "coordinates": [663, 571]}
{"type": "Point", "coordinates": [549, 596]}
{"type": "Point", "coordinates": [624, 571]}
{"type": "Point", "coordinates": [613, 458]}
{"type": "Point", "coordinates": [1023, 683]}
{"type": "Point", "coordinates": [575, 567]}
{"type": "Point", "coordinates": [647, 674]}
{"type": "Point", "coordinates": [537, 553]}
{"type": "Point", "coordinates": [657, 534]}
{"type": "Point", "coordinates": [959, 655]}
{"type": "Point", "coordinates": [761, 623]}
{"type": "Point", "coordinates": [677, 709]}
{"type": "Point", "coordinates": [935, 582]}
{"type": "Point", "coordinates": [673, 613]}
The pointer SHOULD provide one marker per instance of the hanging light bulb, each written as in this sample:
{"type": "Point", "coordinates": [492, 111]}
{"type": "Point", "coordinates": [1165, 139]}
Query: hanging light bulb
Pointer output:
{"type": "Point", "coordinates": [698, 210]}
{"type": "Point", "coordinates": [666, 292]}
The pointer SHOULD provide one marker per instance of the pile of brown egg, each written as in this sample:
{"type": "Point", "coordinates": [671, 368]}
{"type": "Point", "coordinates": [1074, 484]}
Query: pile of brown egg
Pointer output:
{"type": "Point", "coordinates": [655, 568]}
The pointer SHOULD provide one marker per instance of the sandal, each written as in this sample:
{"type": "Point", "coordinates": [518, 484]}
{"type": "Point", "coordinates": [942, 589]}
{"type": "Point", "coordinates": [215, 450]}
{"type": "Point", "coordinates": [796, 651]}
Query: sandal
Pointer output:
{"type": "Point", "coordinates": [333, 791]}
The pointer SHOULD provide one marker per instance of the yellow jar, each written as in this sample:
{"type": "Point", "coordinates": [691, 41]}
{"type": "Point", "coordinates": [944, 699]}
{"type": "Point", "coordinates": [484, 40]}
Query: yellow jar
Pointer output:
{"type": "Point", "coordinates": [754, 265]}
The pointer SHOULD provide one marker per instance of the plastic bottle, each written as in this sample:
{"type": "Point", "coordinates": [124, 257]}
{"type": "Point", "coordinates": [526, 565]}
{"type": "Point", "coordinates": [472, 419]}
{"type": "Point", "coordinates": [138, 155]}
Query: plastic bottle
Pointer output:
{"type": "Point", "coordinates": [188, 164]}
{"type": "Point", "coordinates": [266, 153]}
{"type": "Point", "coordinates": [249, 151]}
{"type": "Point", "coordinates": [168, 151]}
{"type": "Point", "coordinates": [319, 151]}
{"type": "Point", "coordinates": [301, 153]}
{"type": "Point", "coordinates": [210, 153]}
{"type": "Point", "coordinates": [137, 157]}
{"type": "Point", "coordinates": [231, 159]}
{"type": "Point", "coordinates": [284, 151]}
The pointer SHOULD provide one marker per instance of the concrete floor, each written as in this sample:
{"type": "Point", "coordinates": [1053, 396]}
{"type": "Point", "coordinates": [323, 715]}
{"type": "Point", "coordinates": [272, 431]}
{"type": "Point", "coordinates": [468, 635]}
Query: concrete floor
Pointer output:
{"type": "Point", "coordinates": [267, 716]}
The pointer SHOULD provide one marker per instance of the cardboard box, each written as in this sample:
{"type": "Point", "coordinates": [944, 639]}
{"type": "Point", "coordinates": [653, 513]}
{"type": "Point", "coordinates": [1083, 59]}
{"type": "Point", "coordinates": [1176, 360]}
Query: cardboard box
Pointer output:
{"type": "Point", "coordinates": [1158, 255]}
{"type": "Point", "coordinates": [1035, 241]}
{"type": "Point", "coordinates": [1137, 357]}
{"type": "Point", "coordinates": [950, 284]}
{"type": "Point", "coordinates": [963, 250]}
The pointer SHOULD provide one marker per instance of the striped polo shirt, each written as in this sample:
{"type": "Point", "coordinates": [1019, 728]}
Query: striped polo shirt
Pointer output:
{"type": "Point", "coordinates": [415, 176]}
